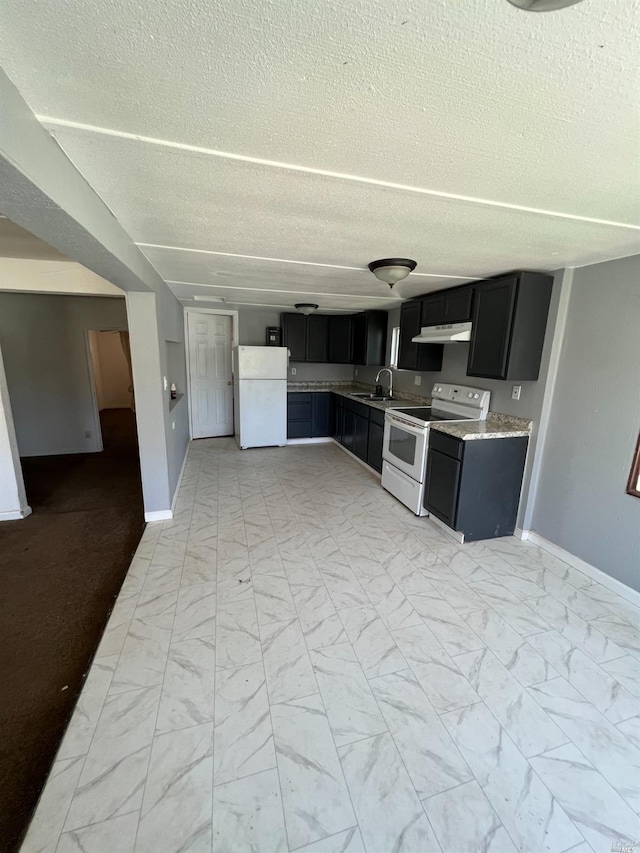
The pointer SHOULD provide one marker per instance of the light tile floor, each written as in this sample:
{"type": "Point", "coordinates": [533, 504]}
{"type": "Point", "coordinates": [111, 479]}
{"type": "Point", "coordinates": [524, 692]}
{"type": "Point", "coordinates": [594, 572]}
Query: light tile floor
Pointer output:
{"type": "Point", "coordinates": [295, 662]}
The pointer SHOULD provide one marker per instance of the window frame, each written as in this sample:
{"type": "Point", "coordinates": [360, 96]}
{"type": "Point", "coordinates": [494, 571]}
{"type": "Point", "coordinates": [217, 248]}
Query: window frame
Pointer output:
{"type": "Point", "coordinates": [395, 347]}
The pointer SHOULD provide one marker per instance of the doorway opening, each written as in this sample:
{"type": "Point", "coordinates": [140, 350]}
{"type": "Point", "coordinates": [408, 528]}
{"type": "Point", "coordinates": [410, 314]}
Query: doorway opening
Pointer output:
{"type": "Point", "coordinates": [109, 354]}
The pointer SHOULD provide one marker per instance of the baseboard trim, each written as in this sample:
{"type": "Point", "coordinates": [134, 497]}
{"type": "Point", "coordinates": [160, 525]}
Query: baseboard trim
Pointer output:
{"type": "Point", "coordinates": [454, 534]}
{"type": "Point", "coordinates": [158, 515]}
{"type": "Point", "coordinates": [621, 589]}
{"type": "Point", "coordinates": [356, 459]}
{"type": "Point", "coordinates": [15, 514]}
{"type": "Point", "coordinates": [321, 440]}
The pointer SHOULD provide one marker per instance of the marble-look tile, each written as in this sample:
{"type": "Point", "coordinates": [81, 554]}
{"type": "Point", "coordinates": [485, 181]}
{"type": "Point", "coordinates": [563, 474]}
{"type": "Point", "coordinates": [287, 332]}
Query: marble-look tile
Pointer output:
{"type": "Point", "coordinates": [432, 759]}
{"type": "Point", "coordinates": [176, 810]}
{"type": "Point", "coordinates": [200, 563]}
{"type": "Point", "coordinates": [526, 723]}
{"type": "Point", "coordinates": [463, 820]}
{"type": "Point", "coordinates": [596, 809]}
{"type": "Point", "coordinates": [118, 625]}
{"type": "Point", "coordinates": [455, 636]}
{"type": "Point", "coordinates": [242, 736]}
{"type": "Point", "coordinates": [519, 615]}
{"type": "Point", "coordinates": [109, 835]}
{"type": "Point", "coordinates": [390, 815]}
{"type": "Point", "coordinates": [188, 687]}
{"type": "Point", "coordinates": [48, 820]}
{"type": "Point", "coordinates": [528, 811]}
{"type": "Point", "coordinates": [575, 599]}
{"type": "Point", "coordinates": [598, 740]}
{"type": "Point", "coordinates": [407, 577]}
{"type": "Point", "coordinates": [390, 603]}
{"type": "Point", "coordinates": [237, 635]}
{"type": "Point", "coordinates": [144, 655]}
{"type": "Point", "coordinates": [247, 816]}
{"type": "Point", "coordinates": [352, 711]}
{"type": "Point", "coordinates": [374, 646]}
{"type": "Point", "coordinates": [580, 633]}
{"type": "Point", "coordinates": [349, 841]}
{"type": "Point", "coordinates": [440, 678]}
{"type": "Point", "coordinates": [77, 738]}
{"type": "Point", "coordinates": [195, 612]}
{"type": "Point", "coordinates": [513, 651]}
{"type": "Point", "coordinates": [159, 592]}
{"type": "Point", "coordinates": [315, 796]}
{"type": "Point", "coordinates": [619, 631]}
{"type": "Point", "coordinates": [286, 662]}
{"type": "Point", "coordinates": [343, 586]}
{"type": "Point", "coordinates": [631, 730]}
{"type": "Point", "coordinates": [273, 598]}
{"type": "Point", "coordinates": [115, 769]}
{"type": "Point", "coordinates": [459, 594]}
{"type": "Point", "coordinates": [604, 692]}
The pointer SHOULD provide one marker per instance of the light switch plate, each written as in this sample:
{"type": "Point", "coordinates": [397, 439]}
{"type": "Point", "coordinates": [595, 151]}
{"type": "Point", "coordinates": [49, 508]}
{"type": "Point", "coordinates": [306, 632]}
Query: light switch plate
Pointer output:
{"type": "Point", "coordinates": [515, 392]}
{"type": "Point", "coordinates": [356, 371]}
{"type": "Point", "coordinates": [417, 379]}
{"type": "Point", "coordinates": [164, 380]}
{"type": "Point", "coordinates": [293, 371]}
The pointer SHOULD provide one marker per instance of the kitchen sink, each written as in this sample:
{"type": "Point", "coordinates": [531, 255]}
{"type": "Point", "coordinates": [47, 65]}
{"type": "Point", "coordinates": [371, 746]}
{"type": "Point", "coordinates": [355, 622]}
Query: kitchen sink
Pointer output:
{"type": "Point", "coordinates": [365, 396]}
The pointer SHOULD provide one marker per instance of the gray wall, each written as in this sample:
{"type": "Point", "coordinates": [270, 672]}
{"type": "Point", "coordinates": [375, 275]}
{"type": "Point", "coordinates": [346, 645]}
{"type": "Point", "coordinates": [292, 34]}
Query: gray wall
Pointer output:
{"type": "Point", "coordinates": [43, 339]}
{"type": "Point", "coordinates": [580, 502]}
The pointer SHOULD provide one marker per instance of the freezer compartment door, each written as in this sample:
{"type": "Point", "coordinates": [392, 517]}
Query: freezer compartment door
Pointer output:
{"type": "Point", "coordinates": [262, 410]}
{"type": "Point", "coordinates": [262, 362]}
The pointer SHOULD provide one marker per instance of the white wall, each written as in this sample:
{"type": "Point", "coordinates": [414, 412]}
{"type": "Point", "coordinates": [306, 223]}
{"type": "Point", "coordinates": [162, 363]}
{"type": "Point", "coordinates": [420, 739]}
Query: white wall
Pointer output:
{"type": "Point", "coordinates": [43, 339]}
{"type": "Point", "coordinates": [111, 371]}
{"type": "Point", "coordinates": [580, 502]}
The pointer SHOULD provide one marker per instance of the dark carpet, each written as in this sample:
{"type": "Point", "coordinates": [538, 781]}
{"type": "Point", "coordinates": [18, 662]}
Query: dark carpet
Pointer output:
{"type": "Point", "coordinates": [60, 572]}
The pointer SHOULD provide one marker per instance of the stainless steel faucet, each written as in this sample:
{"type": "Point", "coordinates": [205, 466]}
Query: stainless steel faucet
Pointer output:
{"type": "Point", "coordinates": [390, 372]}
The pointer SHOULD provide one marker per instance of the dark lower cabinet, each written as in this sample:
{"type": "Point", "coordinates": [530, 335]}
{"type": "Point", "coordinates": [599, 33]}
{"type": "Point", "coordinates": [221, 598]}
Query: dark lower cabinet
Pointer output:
{"type": "Point", "coordinates": [349, 429]}
{"type": "Point", "coordinates": [361, 437]}
{"type": "Point", "coordinates": [308, 414]}
{"type": "Point", "coordinates": [474, 486]}
{"type": "Point", "coordinates": [374, 451]}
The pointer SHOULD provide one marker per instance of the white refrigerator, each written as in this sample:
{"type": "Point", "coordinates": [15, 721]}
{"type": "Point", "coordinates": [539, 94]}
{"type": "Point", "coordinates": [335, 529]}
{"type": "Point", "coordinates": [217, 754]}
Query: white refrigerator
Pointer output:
{"type": "Point", "coordinates": [260, 399]}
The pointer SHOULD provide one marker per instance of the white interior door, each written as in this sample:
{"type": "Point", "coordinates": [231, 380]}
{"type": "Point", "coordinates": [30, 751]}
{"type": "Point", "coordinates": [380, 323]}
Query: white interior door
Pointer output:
{"type": "Point", "coordinates": [210, 372]}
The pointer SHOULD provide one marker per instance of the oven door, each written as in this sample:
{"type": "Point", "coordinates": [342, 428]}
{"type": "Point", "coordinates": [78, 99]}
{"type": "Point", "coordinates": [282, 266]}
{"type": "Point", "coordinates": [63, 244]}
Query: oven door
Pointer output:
{"type": "Point", "coordinates": [405, 446]}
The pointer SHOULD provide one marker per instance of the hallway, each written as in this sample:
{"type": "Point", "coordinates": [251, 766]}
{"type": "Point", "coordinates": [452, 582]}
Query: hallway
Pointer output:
{"type": "Point", "coordinates": [60, 570]}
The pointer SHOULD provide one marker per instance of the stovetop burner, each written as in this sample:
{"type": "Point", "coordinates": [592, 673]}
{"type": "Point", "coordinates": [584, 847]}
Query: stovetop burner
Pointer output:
{"type": "Point", "coordinates": [429, 414]}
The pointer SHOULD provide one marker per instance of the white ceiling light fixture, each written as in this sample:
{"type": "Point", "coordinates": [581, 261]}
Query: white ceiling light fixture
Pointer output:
{"type": "Point", "coordinates": [543, 5]}
{"type": "Point", "coordinates": [306, 308]}
{"type": "Point", "coordinates": [392, 270]}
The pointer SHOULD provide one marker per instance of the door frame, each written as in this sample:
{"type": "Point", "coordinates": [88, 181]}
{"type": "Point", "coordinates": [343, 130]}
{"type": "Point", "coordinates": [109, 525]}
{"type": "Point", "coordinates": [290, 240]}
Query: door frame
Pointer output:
{"type": "Point", "coordinates": [92, 379]}
{"type": "Point", "coordinates": [234, 343]}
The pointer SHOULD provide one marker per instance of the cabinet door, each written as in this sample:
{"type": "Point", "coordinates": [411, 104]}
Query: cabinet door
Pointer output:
{"type": "Point", "coordinates": [433, 310]}
{"type": "Point", "coordinates": [317, 337]}
{"type": "Point", "coordinates": [361, 437]}
{"type": "Point", "coordinates": [294, 335]}
{"type": "Point", "coordinates": [348, 429]}
{"type": "Point", "coordinates": [458, 304]}
{"type": "Point", "coordinates": [492, 324]}
{"type": "Point", "coordinates": [374, 452]}
{"type": "Point", "coordinates": [359, 339]}
{"type": "Point", "coordinates": [321, 414]}
{"type": "Point", "coordinates": [409, 328]}
{"type": "Point", "coordinates": [443, 480]}
{"type": "Point", "coordinates": [340, 339]}
{"type": "Point", "coordinates": [338, 417]}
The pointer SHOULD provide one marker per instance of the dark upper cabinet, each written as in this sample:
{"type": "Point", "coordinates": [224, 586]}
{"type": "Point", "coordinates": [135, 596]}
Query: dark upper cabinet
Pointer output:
{"type": "Point", "coordinates": [369, 338]}
{"type": "Point", "coordinates": [448, 306]}
{"type": "Point", "coordinates": [340, 339]}
{"type": "Point", "coordinates": [509, 323]}
{"type": "Point", "coordinates": [416, 356]}
{"type": "Point", "coordinates": [317, 338]}
{"type": "Point", "coordinates": [294, 335]}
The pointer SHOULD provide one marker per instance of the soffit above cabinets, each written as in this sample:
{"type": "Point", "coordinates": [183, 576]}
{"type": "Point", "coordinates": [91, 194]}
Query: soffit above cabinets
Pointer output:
{"type": "Point", "coordinates": [333, 134]}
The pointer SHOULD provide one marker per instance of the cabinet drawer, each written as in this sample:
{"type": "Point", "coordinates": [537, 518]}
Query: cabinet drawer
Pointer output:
{"type": "Point", "coordinates": [357, 408]}
{"type": "Point", "coordinates": [299, 429]}
{"type": "Point", "coordinates": [446, 444]}
{"type": "Point", "coordinates": [376, 416]}
{"type": "Point", "coordinates": [300, 408]}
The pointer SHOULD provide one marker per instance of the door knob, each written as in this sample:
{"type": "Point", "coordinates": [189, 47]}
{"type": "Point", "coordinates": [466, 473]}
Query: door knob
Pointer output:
{"type": "Point", "coordinates": [228, 383]}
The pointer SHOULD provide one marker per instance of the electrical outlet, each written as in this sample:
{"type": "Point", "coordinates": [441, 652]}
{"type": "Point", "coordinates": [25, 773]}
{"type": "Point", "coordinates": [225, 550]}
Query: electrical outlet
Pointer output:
{"type": "Point", "coordinates": [293, 371]}
{"type": "Point", "coordinates": [515, 392]}
{"type": "Point", "coordinates": [87, 433]}
{"type": "Point", "coordinates": [173, 424]}
{"type": "Point", "coordinates": [356, 371]}
{"type": "Point", "coordinates": [165, 383]}
{"type": "Point", "coordinates": [417, 379]}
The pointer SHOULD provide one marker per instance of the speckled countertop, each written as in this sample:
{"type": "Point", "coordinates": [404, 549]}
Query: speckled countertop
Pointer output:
{"type": "Point", "coordinates": [495, 426]}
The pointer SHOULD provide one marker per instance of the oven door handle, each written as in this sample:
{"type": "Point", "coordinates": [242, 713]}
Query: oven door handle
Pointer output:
{"type": "Point", "coordinates": [398, 423]}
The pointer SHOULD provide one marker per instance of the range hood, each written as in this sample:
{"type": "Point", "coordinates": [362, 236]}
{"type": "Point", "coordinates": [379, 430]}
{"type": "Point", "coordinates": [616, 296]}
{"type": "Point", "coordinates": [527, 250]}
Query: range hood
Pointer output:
{"type": "Point", "coordinates": [449, 333]}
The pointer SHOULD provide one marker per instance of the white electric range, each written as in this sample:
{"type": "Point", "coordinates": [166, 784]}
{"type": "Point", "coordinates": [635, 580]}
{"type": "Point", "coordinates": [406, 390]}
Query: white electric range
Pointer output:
{"type": "Point", "coordinates": [406, 438]}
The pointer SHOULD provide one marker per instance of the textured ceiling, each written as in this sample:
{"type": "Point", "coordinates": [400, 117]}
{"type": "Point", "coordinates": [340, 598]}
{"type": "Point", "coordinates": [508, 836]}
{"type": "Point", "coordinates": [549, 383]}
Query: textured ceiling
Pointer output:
{"type": "Point", "coordinates": [333, 134]}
